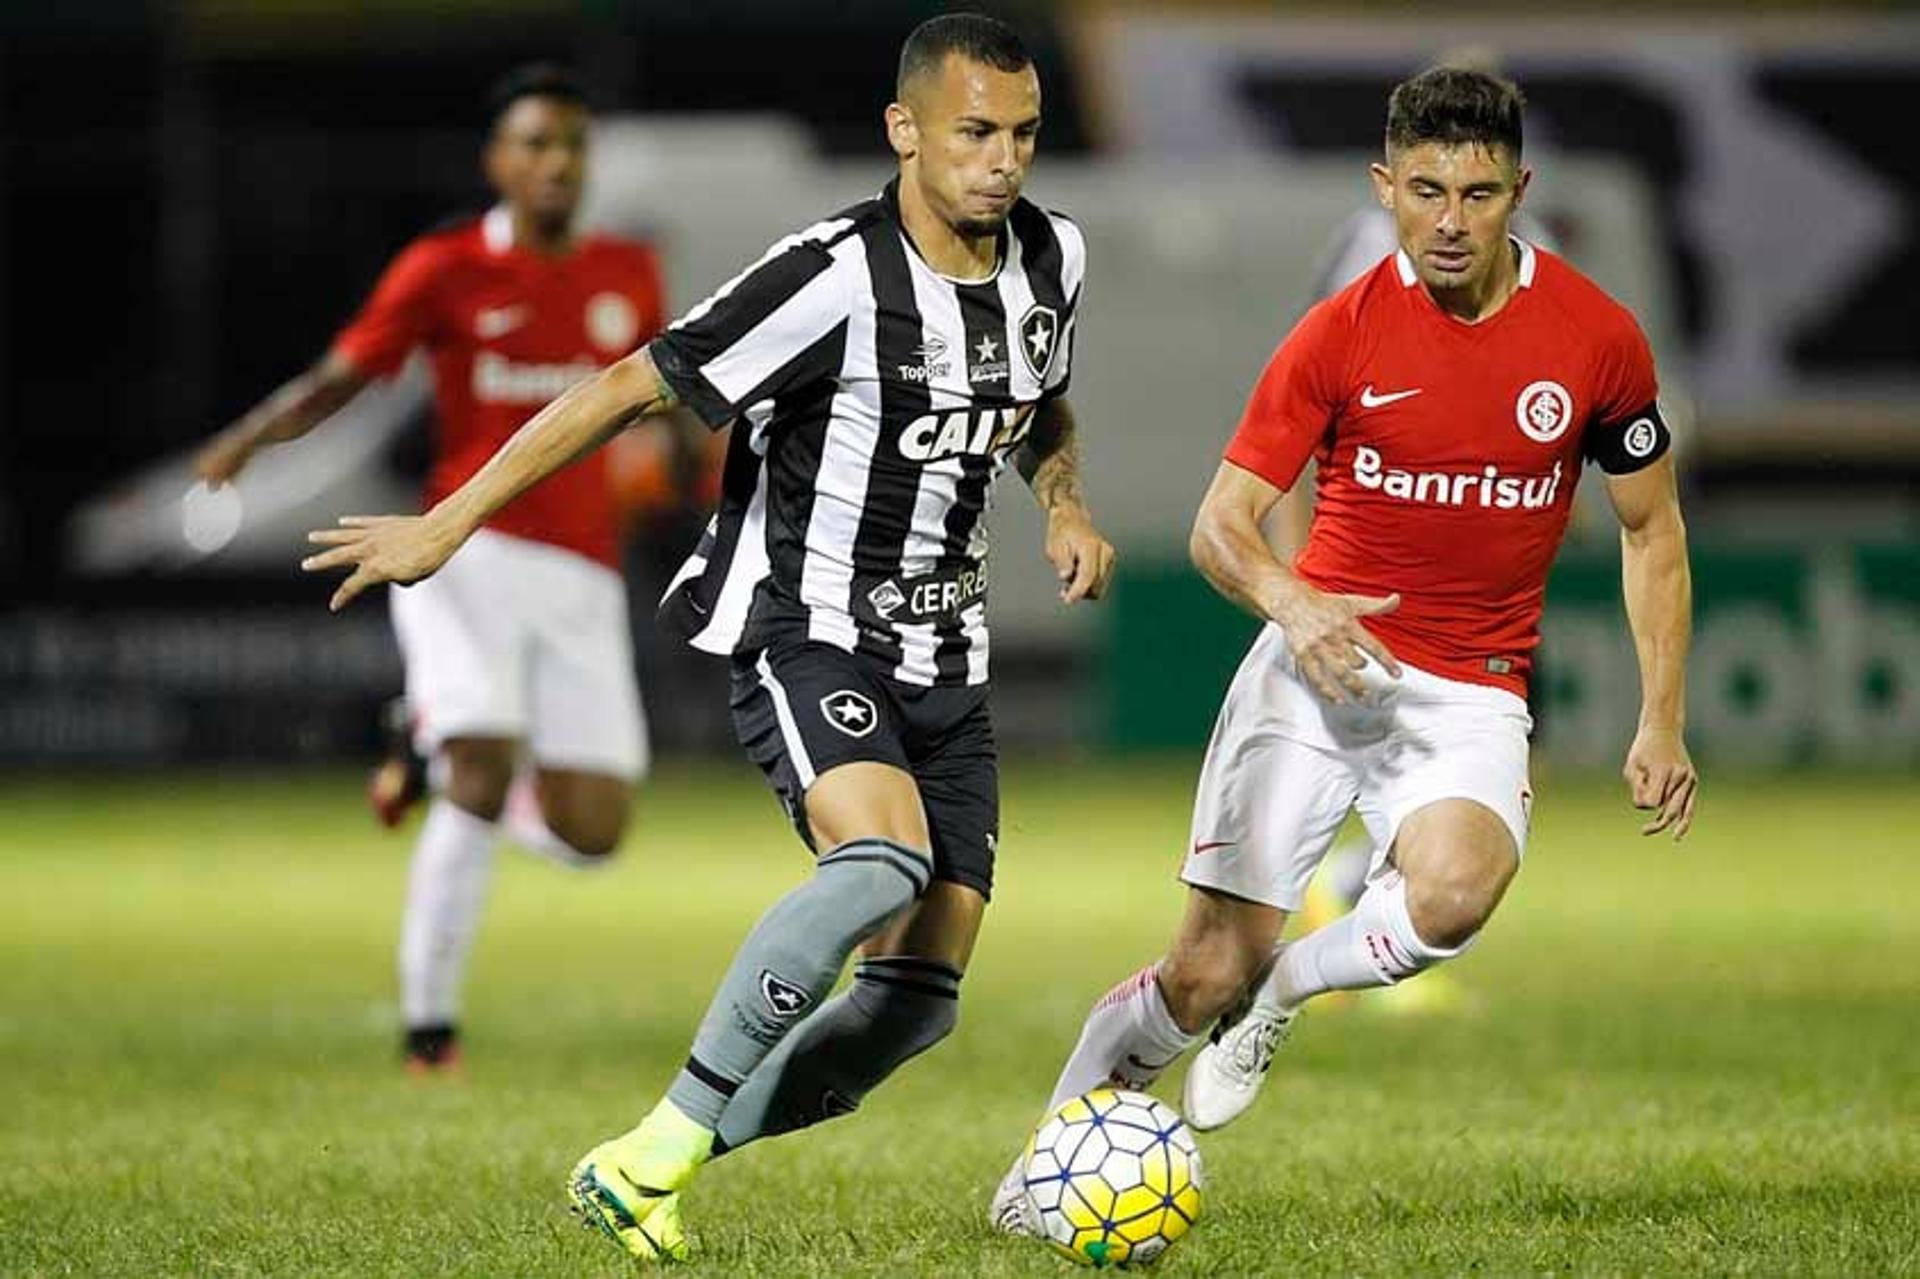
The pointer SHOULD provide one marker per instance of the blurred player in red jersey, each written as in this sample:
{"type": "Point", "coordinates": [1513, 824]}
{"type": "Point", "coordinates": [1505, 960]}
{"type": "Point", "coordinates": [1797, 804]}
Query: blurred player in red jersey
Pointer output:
{"type": "Point", "coordinates": [1450, 397]}
{"type": "Point", "coordinates": [520, 647]}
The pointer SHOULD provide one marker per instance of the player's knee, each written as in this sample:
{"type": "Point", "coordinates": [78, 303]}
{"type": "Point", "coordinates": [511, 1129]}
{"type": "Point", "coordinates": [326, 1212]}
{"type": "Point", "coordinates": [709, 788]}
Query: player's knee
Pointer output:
{"type": "Point", "coordinates": [477, 779]}
{"type": "Point", "coordinates": [1448, 910]}
{"type": "Point", "coordinates": [595, 836]}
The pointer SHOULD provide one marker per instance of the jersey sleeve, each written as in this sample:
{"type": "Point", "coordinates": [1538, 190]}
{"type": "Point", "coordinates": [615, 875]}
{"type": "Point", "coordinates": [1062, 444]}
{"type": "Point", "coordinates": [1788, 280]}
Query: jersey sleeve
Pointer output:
{"type": "Point", "coordinates": [766, 331]}
{"type": "Point", "coordinates": [1073, 277]}
{"type": "Point", "coordinates": [396, 317]}
{"type": "Point", "coordinates": [1294, 403]}
{"type": "Point", "coordinates": [1627, 432]}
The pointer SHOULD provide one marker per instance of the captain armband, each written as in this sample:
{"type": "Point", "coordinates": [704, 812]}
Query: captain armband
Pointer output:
{"type": "Point", "coordinates": [1631, 443]}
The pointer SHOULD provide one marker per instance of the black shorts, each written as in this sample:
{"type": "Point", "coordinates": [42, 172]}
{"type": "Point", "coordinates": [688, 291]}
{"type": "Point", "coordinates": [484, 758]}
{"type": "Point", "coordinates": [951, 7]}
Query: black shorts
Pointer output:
{"type": "Point", "coordinates": [802, 708]}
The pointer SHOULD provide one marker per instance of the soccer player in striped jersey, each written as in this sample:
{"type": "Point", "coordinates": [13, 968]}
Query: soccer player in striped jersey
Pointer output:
{"type": "Point", "coordinates": [521, 647]}
{"type": "Point", "coordinates": [881, 369]}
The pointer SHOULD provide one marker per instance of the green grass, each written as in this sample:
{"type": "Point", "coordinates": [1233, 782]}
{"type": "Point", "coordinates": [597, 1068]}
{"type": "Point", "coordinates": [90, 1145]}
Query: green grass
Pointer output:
{"type": "Point", "coordinates": [1703, 1060]}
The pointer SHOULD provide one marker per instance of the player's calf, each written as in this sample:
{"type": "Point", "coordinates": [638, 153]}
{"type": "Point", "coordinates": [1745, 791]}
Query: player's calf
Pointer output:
{"type": "Point", "coordinates": [1224, 945]}
{"type": "Point", "coordinates": [1147, 1022]}
{"type": "Point", "coordinates": [784, 969]}
{"type": "Point", "coordinates": [896, 1009]}
{"type": "Point", "coordinates": [1377, 944]}
{"type": "Point", "coordinates": [1201, 988]}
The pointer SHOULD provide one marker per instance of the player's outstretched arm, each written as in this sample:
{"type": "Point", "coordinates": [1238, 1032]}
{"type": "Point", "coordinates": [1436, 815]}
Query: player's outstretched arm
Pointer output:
{"type": "Point", "coordinates": [392, 548]}
{"type": "Point", "coordinates": [289, 413]}
{"type": "Point", "coordinates": [1049, 461]}
{"type": "Point", "coordinates": [1658, 585]}
{"type": "Point", "coordinates": [1327, 640]}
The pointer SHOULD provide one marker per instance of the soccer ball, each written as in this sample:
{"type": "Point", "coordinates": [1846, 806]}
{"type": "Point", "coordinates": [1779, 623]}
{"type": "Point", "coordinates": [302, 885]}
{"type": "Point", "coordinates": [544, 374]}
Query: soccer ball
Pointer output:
{"type": "Point", "coordinates": [1115, 1176]}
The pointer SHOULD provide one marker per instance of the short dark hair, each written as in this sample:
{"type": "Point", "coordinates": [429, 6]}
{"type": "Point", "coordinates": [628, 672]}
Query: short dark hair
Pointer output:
{"type": "Point", "coordinates": [1454, 105]}
{"type": "Point", "coordinates": [533, 80]}
{"type": "Point", "coordinates": [973, 36]}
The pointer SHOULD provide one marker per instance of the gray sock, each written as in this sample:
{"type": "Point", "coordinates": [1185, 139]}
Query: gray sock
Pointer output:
{"type": "Point", "coordinates": [789, 962]}
{"type": "Point", "coordinates": [896, 1009]}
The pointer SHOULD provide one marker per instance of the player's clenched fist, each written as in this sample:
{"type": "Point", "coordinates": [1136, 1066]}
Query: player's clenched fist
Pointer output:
{"type": "Point", "coordinates": [378, 548]}
{"type": "Point", "coordinates": [1329, 645]}
{"type": "Point", "coordinates": [1662, 777]}
{"type": "Point", "coordinates": [1082, 558]}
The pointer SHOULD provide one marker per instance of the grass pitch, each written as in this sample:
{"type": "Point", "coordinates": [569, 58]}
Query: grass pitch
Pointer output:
{"type": "Point", "coordinates": [1704, 1059]}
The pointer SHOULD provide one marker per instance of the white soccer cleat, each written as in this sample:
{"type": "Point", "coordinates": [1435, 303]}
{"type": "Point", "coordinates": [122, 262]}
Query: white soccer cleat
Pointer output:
{"type": "Point", "coordinates": [1013, 1211]}
{"type": "Point", "coordinates": [1226, 1075]}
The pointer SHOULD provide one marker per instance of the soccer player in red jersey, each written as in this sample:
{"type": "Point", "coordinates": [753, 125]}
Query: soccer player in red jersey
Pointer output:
{"type": "Point", "coordinates": [519, 648]}
{"type": "Point", "coordinates": [1450, 397]}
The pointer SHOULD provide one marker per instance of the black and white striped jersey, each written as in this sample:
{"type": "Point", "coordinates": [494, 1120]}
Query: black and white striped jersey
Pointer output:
{"type": "Point", "coordinates": [874, 403]}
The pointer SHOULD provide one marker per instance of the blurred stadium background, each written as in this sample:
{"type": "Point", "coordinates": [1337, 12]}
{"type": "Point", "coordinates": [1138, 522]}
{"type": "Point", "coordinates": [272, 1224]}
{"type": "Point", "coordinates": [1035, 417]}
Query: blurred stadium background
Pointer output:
{"type": "Point", "coordinates": [198, 193]}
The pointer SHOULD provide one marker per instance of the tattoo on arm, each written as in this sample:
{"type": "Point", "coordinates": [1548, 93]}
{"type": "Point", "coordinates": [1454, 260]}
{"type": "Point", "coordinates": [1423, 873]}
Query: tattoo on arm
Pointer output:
{"type": "Point", "coordinates": [660, 400]}
{"type": "Point", "coordinates": [664, 401]}
{"type": "Point", "coordinates": [1049, 461]}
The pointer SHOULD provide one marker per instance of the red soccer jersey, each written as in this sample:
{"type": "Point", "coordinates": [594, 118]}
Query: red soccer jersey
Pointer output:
{"type": "Point", "coordinates": [508, 329]}
{"type": "Point", "coordinates": [1448, 452]}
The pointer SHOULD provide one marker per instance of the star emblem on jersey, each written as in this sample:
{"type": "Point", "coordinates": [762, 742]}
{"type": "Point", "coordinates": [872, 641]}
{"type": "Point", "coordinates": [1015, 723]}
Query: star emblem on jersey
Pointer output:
{"type": "Point", "coordinates": [1038, 329]}
{"type": "Point", "coordinates": [1370, 399]}
{"type": "Point", "coordinates": [783, 998]}
{"type": "Point", "coordinates": [850, 712]}
{"type": "Point", "coordinates": [1544, 411]}
{"type": "Point", "coordinates": [988, 351]}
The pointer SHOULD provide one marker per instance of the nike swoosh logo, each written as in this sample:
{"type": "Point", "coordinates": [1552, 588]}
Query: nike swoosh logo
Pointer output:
{"type": "Point", "coordinates": [1368, 400]}
{"type": "Point", "coordinates": [1210, 845]}
{"type": "Point", "coordinates": [499, 322]}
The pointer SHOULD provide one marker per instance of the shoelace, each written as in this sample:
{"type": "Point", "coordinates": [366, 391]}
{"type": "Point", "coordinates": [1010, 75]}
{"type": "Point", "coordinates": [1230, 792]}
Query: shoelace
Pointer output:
{"type": "Point", "coordinates": [1254, 1053]}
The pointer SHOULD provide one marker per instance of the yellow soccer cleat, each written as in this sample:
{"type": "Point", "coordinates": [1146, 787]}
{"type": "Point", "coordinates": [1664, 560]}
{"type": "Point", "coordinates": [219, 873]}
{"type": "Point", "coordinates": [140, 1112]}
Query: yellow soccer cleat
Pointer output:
{"type": "Point", "coordinates": [629, 1188]}
{"type": "Point", "coordinates": [643, 1221]}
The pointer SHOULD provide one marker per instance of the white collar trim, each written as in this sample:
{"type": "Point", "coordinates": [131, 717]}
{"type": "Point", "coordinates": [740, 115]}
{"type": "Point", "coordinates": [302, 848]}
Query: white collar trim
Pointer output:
{"type": "Point", "coordinates": [1528, 264]}
{"type": "Point", "coordinates": [1527, 261]}
{"type": "Point", "coordinates": [496, 228]}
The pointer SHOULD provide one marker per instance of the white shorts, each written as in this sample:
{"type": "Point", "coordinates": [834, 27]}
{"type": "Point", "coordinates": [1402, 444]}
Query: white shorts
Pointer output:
{"type": "Point", "coordinates": [1285, 767]}
{"type": "Point", "coordinates": [514, 638]}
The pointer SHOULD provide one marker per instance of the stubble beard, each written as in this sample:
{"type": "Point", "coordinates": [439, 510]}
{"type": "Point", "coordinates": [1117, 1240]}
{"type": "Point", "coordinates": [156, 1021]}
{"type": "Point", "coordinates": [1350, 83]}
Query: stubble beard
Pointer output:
{"type": "Point", "coordinates": [979, 228]}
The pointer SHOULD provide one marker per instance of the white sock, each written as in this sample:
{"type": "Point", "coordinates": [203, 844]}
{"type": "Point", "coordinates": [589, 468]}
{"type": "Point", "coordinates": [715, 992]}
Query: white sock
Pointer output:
{"type": "Point", "coordinates": [446, 888]}
{"type": "Point", "coordinates": [1374, 945]}
{"type": "Point", "coordinates": [1129, 1038]}
{"type": "Point", "coordinates": [527, 827]}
